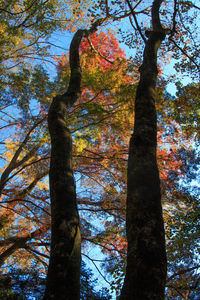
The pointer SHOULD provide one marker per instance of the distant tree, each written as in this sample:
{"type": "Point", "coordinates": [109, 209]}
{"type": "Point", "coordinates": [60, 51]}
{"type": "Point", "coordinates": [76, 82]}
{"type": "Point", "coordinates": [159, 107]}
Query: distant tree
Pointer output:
{"type": "Point", "coordinates": [26, 27]}
{"type": "Point", "coordinates": [23, 284]}
{"type": "Point", "coordinates": [88, 290]}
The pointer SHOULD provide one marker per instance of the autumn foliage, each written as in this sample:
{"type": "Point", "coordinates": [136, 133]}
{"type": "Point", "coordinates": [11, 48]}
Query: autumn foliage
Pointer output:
{"type": "Point", "coordinates": [101, 122]}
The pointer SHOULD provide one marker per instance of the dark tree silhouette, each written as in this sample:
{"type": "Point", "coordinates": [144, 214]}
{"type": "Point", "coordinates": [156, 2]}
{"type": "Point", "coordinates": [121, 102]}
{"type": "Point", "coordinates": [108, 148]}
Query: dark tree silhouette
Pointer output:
{"type": "Point", "coordinates": [146, 258]}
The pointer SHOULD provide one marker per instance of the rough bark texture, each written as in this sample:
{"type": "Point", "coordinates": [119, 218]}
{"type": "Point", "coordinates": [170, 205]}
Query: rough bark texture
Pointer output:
{"type": "Point", "coordinates": [63, 279]}
{"type": "Point", "coordinates": [146, 258]}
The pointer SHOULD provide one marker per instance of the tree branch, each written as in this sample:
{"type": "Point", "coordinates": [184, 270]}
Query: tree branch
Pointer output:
{"type": "Point", "coordinates": [14, 163]}
{"type": "Point", "coordinates": [157, 27]}
{"type": "Point", "coordinates": [136, 22]}
{"type": "Point", "coordinates": [174, 19]}
{"type": "Point", "coordinates": [97, 268]}
{"type": "Point", "coordinates": [185, 53]}
{"type": "Point", "coordinates": [96, 51]}
{"type": "Point", "coordinates": [18, 242]}
{"type": "Point", "coordinates": [183, 272]}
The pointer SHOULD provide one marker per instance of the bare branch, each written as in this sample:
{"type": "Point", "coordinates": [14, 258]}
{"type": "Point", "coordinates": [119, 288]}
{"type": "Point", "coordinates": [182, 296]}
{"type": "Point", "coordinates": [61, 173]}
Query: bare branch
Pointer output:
{"type": "Point", "coordinates": [185, 53]}
{"type": "Point", "coordinates": [27, 165]}
{"type": "Point", "coordinates": [97, 268]}
{"type": "Point", "coordinates": [36, 252]}
{"type": "Point", "coordinates": [96, 51]}
{"type": "Point", "coordinates": [38, 258]}
{"type": "Point", "coordinates": [195, 6]}
{"type": "Point", "coordinates": [14, 163]}
{"type": "Point", "coordinates": [18, 242]}
{"type": "Point", "coordinates": [174, 18]}
{"type": "Point", "coordinates": [26, 201]}
{"type": "Point", "coordinates": [183, 272]}
{"type": "Point", "coordinates": [11, 124]}
{"type": "Point", "coordinates": [136, 22]}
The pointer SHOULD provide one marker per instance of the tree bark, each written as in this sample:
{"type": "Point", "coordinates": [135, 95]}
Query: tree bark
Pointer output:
{"type": "Point", "coordinates": [63, 278]}
{"type": "Point", "coordinates": [146, 258]}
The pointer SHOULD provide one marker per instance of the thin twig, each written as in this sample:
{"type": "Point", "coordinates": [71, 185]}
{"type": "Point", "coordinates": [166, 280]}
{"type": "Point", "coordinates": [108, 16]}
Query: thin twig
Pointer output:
{"type": "Point", "coordinates": [136, 22]}
{"type": "Point", "coordinates": [97, 268]}
{"type": "Point", "coordinates": [185, 53]}
{"type": "Point", "coordinates": [96, 51]}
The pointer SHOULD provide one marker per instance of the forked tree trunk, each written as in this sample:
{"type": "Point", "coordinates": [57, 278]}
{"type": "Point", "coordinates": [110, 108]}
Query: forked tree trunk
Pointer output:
{"type": "Point", "coordinates": [146, 258]}
{"type": "Point", "coordinates": [63, 278]}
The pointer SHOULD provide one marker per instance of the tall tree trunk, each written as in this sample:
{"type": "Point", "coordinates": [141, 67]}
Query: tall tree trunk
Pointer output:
{"type": "Point", "coordinates": [63, 278]}
{"type": "Point", "coordinates": [146, 258]}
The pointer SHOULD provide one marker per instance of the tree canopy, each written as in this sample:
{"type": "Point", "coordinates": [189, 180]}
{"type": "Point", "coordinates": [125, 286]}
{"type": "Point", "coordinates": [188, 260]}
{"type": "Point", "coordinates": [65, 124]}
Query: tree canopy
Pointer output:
{"type": "Point", "coordinates": [101, 122]}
